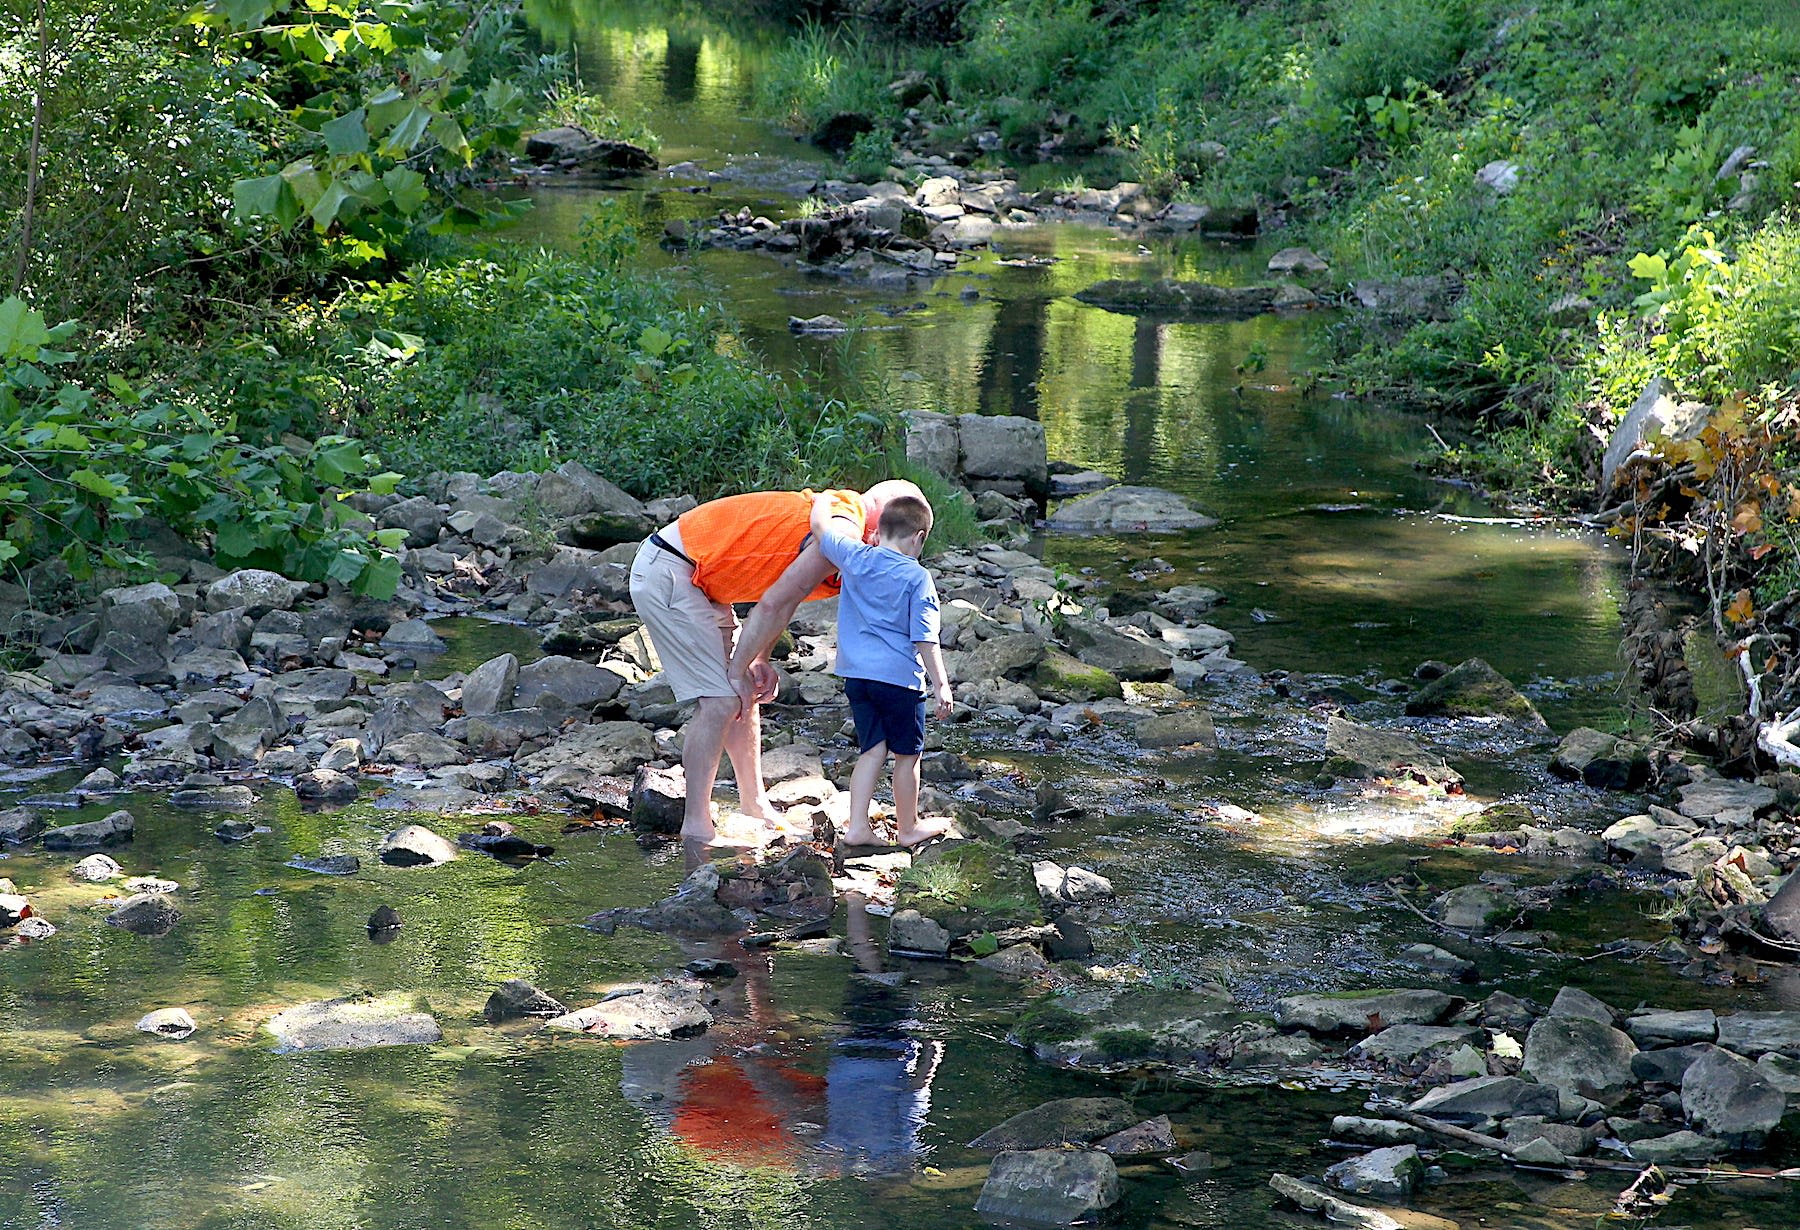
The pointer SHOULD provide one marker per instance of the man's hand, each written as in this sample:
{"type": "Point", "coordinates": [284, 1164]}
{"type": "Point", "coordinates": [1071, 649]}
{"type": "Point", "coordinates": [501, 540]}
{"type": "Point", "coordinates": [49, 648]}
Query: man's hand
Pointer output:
{"type": "Point", "coordinates": [745, 688]}
{"type": "Point", "coordinates": [765, 681]}
{"type": "Point", "coordinates": [945, 702]}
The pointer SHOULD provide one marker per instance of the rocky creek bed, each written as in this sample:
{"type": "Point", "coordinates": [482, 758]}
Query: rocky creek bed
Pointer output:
{"type": "Point", "coordinates": [220, 708]}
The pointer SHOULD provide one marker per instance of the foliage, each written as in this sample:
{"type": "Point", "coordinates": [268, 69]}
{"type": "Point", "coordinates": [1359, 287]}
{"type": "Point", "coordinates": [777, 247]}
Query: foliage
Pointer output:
{"type": "Point", "coordinates": [567, 103]}
{"type": "Point", "coordinates": [516, 358]}
{"type": "Point", "coordinates": [81, 468]}
{"type": "Point", "coordinates": [387, 108]}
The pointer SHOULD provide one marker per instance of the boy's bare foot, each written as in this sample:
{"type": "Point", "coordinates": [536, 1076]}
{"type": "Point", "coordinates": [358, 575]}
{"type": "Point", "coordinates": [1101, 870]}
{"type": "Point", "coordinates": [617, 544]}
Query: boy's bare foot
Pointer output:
{"type": "Point", "coordinates": [703, 834]}
{"type": "Point", "coordinates": [922, 832]}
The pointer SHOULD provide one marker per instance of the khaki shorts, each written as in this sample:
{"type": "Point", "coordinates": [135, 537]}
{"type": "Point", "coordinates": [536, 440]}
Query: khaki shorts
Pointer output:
{"type": "Point", "coordinates": [692, 634]}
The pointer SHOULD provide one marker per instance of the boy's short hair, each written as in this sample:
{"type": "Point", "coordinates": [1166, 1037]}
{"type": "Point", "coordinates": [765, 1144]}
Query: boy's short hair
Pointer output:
{"type": "Point", "coordinates": [904, 516]}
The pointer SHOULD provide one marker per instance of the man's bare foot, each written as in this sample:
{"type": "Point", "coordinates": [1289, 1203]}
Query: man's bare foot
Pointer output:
{"type": "Point", "coordinates": [922, 832]}
{"type": "Point", "coordinates": [703, 834]}
{"type": "Point", "coordinates": [760, 809]}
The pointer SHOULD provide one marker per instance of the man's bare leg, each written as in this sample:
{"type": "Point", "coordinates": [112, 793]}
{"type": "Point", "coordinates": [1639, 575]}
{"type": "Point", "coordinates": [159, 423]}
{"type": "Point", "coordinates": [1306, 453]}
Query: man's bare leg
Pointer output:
{"type": "Point", "coordinates": [863, 780]}
{"type": "Point", "coordinates": [743, 743]}
{"type": "Point", "coordinates": [702, 742]}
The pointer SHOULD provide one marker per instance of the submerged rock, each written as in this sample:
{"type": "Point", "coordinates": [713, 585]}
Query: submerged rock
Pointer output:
{"type": "Point", "coordinates": [147, 914]}
{"type": "Point", "coordinates": [912, 934]}
{"type": "Point", "coordinates": [1169, 297]}
{"type": "Point", "coordinates": [1128, 510]}
{"type": "Point", "coordinates": [1061, 1122]}
{"type": "Point", "coordinates": [693, 909]}
{"type": "Point", "coordinates": [352, 1024]}
{"type": "Point", "coordinates": [1049, 1186]}
{"type": "Point", "coordinates": [1151, 1138]}
{"type": "Point", "coordinates": [112, 830]}
{"type": "Point", "coordinates": [1359, 751]}
{"type": "Point", "coordinates": [1363, 1012]}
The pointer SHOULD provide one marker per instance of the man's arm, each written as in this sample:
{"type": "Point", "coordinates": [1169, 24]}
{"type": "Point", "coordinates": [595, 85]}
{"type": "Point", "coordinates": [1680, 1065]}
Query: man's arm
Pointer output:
{"type": "Point", "coordinates": [749, 671]}
{"type": "Point", "coordinates": [933, 658]}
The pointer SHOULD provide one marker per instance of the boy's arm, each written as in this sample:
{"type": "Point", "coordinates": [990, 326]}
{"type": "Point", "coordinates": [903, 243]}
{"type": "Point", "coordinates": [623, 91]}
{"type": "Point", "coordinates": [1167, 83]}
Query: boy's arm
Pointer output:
{"type": "Point", "coordinates": [832, 527]}
{"type": "Point", "coordinates": [933, 658]}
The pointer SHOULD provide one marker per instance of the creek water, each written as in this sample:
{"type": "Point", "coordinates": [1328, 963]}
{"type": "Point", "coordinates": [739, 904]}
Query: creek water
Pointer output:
{"type": "Point", "coordinates": [824, 1099]}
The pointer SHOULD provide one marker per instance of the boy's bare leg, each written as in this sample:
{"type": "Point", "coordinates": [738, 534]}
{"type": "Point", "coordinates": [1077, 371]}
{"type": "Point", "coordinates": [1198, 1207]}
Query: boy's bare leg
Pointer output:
{"type": "Point", "coordinates": [911, 830]}
{"type": "Point", "coordinates": [863, 780]}
{"type": "Point", "coordinates": [743, 743]}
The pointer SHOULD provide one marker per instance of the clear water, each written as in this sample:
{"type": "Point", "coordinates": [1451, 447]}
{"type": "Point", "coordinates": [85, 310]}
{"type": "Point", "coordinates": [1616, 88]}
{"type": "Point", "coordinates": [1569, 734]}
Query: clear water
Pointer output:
{"type": "Point", "coordinates": [823, 1100]}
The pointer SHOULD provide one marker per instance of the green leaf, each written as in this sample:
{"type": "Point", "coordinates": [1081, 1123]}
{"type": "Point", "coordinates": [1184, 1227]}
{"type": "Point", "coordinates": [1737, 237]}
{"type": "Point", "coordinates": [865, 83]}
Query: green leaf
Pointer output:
{"type": "Point", "coordinates": [22, 330]}
{"type": "Point", "coordinates": [325, 209]}
{"type": "Point", "coordinates": [985, 945]}
{"type": "Point", "coordinates": [304, 180]}
{"type": "Point", "coordinates": [99, 485]}
{"type": "Point", "coordinates": [386, 108]}
{"type": "Point", "coordinates": [380, 579]}
{"type": "Point", "coordinates": [406, 131]}
{"type": "Point", "coordinates": [346, 566]}
{"type": "Point", "coordinates": [1652, 268]}
{"type": "Point", "coordinates": [392, 539]}
{"type": "Point", "coordinates": [347, 134]}
{"type": "Point", "coordinates": [654, 340]}
{"type": "Point", "coordinates": [385, 483]}
{"type": "Point", "coordinates": [336, 461]}
{"type": "Point", "coordinates": [233, 540]}
{"type": "Point", "coordinates": [256, 198]}
{"type": "Point", "coordinates": [242, 14]}
{"type": "Point", "coordinates": [449, 134]}
{"type": "Point", "coordinates": [406, 188]}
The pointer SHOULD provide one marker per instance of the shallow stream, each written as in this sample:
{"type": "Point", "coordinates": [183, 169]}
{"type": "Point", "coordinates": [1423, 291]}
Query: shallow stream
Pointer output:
{"type": "Point", "coordinates": [1340, 561]}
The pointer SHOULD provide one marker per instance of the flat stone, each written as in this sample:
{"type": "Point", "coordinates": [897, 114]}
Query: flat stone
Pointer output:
{"type": "Point", "coordinates": [1476, 908]}
{"type": "Point", "coordinates": [1049, 1186]}
{"type": "Point", "coordinates": [1188, 728]}
{"type": "Point", "coordinates": [1713, 797]}
{"type": "Point", "coordinates": [325, 786]}
{"type": "Point", "coordinates": [220, 797]}
{"type": "Point", "coordinates": [1488, 1097]}
{"type": "Point", "coordinates": [1064, 1121]}
{"type": "Point", "coordinates": [423, 750]}
{"type": "Point", "coordinates": [1667, 1065]}
{"type": "Point", "coordinates": [605, 748]}
{"type": "Point", "coordinates": [1376, 1131]}
{"type": "Point", "coordinates": [1151, 1138]}
{"type": "Point", "coordinates": [352, 1024]}
{"type": "Point", "coordinates": [1755, 1033]}
{"type": "Point", "coordinates": [1363, 1012]}
{"type": "Point", "coordinates": [1354, 750]}
{"type": "Point", "coordinates": [1603, 761]}
{"type": "Point", "coordinates": [1573, 1001]}
{"type": "Point", "coordinates": [1129, 509]}
{"type": "Point", "coordinates": [645, 1010]}
{"type": "Point", "coordinates": [1404, 1043]}
{"type": "Point", "coordinates": [1663, 1028]}
{"type": "Point", "coordinates": [1682, 1146]}
{"type": "Point", "coordinates": [1337, 1212]}
{"type": "Point", "coordinates": [110, 831]}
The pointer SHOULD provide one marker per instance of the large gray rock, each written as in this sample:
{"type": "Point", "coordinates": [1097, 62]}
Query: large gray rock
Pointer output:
{"type": "Point", "coordinates": [1658, 1027]}
{"type": "Point", "coordinates": [1423, 297]}
{"type": "Point", "coordinates": [1000, 656]}
{"type": "Point", "coordinates": [489, 687]}
{"type": "Point", "coordinates": [1474, 689]}
{"type": "Point", "coordinates": [256, 591]}
{"type": "Point", "coordinates": [1169, 297]}
{"type": "Point", "coordinates": [1059, 885]}
{"type": "Point", "coordinates": [352, 1024]}
{"type": "Point", "coordinates": [911, 934]}
{"type": "Point", "coordinates": [416, 846]}
{"type": "Point", "coordinates": [1488, 1097]}
{"type": "Point", "coordinates": [564, 683]}
{"type": "Point", "coordinates": [1725, 1096]}
{"type": "Point", "coordinates": [1603, 761]}
{"type": "Point", "coordinates": [675, 1009]}
{"type": "Point", "coordinates": [412, 636]}
{"type": "Point", "coordinates": [1405, 1043]}
{"type": "Point", "coordinates": [1185, 728]}
{"type": "Point", "coordinates": [658, 799]}
{"type": "Point", "coordinates": [1006, 448]}
{"type": "Point", "coordinates": [1573, 1001]}
{"type": "Point", "coordinates": [19, 825]}
{"type": "Point", "coordinates": [517, 998]}
{"type": "Point", "coordinates": [1781, 913]}
{"type": "Point", "coordinates": [1476, 908]}
{"type": "Point", "coordinates": [1389, 1173]}
{"type": "Point", "coordinates": [1668, 1064]}
{"type": "Point", "coordinates": [91, 834]}
{"type": "Point", "coordinates": [1129, 510]}
{"type": "Point", "coordinates": [418, 516]}
{"type": "Point", "coordinates": [1049, 1186]}
{"type": "Point", "coordinates": [424, 750]}
{"type": "Point", "coordinates": [1062, 1122]}
{"type": "Point", "coordinates": [572, 490]}
{"type": "Point", "coordinates": [692, 909]}
{"type": "Point", "coordinates": [1654, 414]}
{"type": "Point", "coordinates": [1756, 1033]}
{"type": "Point", "coordinates": [1580, 1056]}
{"type": "Point", "coordinates": [932, 442]}
{"type": "Point", "coordinates": [1363, 1012]}
{"type": "Point", "coordinates": [1125, 657]}
{"type": "Point", "coordinates": [172, 1023]}
{"type": "Point", "coordinates": [325, 786]}
{"type": "Point", "coordinates": [606, 748]}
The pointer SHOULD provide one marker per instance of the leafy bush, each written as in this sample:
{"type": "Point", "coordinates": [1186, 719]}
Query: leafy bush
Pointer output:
{"type": "Point", "coordinates": [81, 468]}
{"type": "Point", "coordinates": [517, 358]}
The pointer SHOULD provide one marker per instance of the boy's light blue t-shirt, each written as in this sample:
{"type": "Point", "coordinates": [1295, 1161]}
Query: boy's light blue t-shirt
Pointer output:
{"type": "Point", "coordinates": [887, 603]}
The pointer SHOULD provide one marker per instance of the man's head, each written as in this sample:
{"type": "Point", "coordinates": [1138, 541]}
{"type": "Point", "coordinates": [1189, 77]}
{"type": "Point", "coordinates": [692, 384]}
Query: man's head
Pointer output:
{"type": "Point", "coordinates": [905, 521]}
{"type": "Point", "coordinates": [877, 497]}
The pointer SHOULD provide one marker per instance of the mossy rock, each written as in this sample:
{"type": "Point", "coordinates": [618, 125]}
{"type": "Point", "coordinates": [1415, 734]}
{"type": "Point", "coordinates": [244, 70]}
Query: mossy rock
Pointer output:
{"type": "Point", "coordinates": [970, 887]}
{"type": "Point", "coordinates": [1169, 297]}
{"type": "Point", "coordinates": [1474, 689]}
{"type": "Point", "coordinates": [1065, 679]}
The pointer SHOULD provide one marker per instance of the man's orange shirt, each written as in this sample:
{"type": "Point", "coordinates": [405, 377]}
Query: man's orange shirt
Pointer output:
{"type": "Point", "coordinates": [742, 543]}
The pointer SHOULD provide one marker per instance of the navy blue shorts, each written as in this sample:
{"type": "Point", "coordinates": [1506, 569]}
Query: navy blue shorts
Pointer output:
{"type": "Point", "coordinates": [887, 713]}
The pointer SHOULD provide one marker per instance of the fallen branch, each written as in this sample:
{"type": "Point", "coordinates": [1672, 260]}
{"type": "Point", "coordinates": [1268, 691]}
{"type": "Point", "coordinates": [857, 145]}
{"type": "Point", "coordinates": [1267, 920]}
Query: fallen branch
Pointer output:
{"type": "Point", "coordinates": [1777, 739]}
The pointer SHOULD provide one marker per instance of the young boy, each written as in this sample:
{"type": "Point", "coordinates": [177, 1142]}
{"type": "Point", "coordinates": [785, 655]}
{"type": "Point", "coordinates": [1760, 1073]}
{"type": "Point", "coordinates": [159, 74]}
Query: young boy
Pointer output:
{"type": "Point", "coordinates": [887, 649]}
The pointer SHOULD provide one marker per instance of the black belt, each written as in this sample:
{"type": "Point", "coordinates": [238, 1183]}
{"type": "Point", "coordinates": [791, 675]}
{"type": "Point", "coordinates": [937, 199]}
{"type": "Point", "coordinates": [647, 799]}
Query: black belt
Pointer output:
{"type": "Point", "coordinates": [657, 540]}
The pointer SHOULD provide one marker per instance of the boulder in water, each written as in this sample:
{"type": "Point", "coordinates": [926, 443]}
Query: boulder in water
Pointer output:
{"type": "Point", "coordinates": [674, 1009]}
{"type": "Point", "coordinates": [147, 914]}
{"type": "Point", "coordinates": [352, 1024]}
{"type": "Point", "coordinates": [1168, 297]}
{"type": "Point", "coordinates": [1129, 509]}
{"type": "Point", "coordinates": [517, 998]}
{"type": "Point", "coordinates": [1065, 1121]}
{"type": "Point", "coordinates": [1049, 1186]}
{"type": "Point", "coordinates": [1474, 689]}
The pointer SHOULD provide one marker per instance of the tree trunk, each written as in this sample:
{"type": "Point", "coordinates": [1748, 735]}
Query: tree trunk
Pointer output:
{"type": "Point", "coordinates": [31, 158]}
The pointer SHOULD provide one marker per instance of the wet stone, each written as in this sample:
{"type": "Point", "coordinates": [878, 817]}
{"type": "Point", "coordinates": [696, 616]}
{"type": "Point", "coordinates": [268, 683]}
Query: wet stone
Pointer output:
{"type": "Point", "coordinates": [910, 933]}
{"type": "Point", "coordinates": [1474, 689]}
{"type": "Point", "coordinates": [1725, 1096]}
{"type": "Point", "coordinates": [325, 786]}
{"type": "Point", "coordinates": [352, 1024]}
{"type": "Point", "coordinates": [648, 1010]}
{"type": "Point", "coordinates": [110, 831]}
{"type": "Point", "coordinates": [1049, 1186]}
{"type": "Point", "coordinates": [213, 797]}
{"type": "Point", "coordinates": [1658, 1028]}
{"type": "Point", "coordinates": [1151, 1138]}
{"type": "Point", "coordinates": [146, 914]}
{"type": "Point", "coordinates": [1488, 1097]}
{"type": "Point", "coordinates": [1389, 1173]}
{"type": "Point", "coordinates": [1064, 1121]}
{"type": "Point", "coordinates": [1366, 1131]}
{"type": "Point", "coordinates": [1682, 1146]}
{"type": "Point", "coordinates": [19, 825]}
{"type": "Point", "coordinates": [1754, 1033]}
{"type": "Point", "coordinates": [1363, 1012]}
{"type": "Point", "coordinates": [174, 1023]}
{"type": "Point", "coordinates": [415, 846]}
{"type": "Point", "coordinates": [517, 998]}
{"type": "Point", "coordinates": [234, 830]}
{"type": "Point", "coordinates": [328, 865]}
{"type": "Point", "coordinates": [1667, 1065]}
